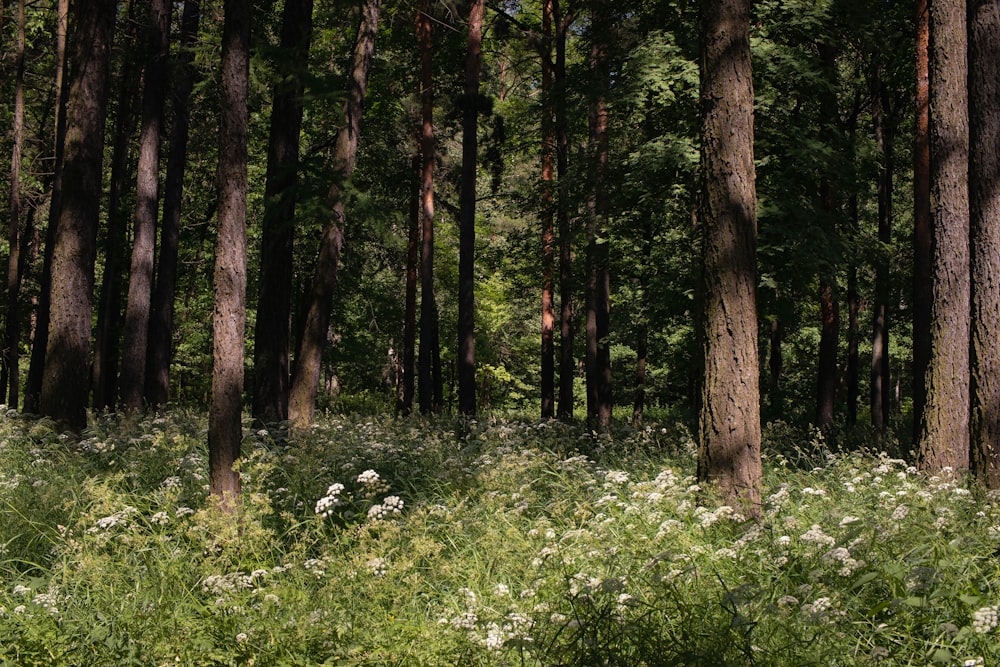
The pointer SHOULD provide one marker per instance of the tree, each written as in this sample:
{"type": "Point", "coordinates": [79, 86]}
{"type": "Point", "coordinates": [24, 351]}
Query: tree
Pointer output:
{"type": "Point", "coordinates": [404, 403]}
{"type": "Point", "coordinates": [274, 303]}
{"type": "Point", "coordinates": [225, 429]}
{"type": "Point", "coordinates": [140, 285]}
{"type": "Point", "coordinates": [729, 447]}
{"type": "Point", "coordinates": [944, 433]}
{"type": "Point", "coordinates": [309, 354]}
{"type": "Point", "coordinates": [467, 215]}
{"type": "Point", "coordinates": [923, 292]}
{"type": "Point", "coordinates": [67, 356]}
{"type": "Point", "coordinates": [567, 360]}
{"type": "Point", "coordinates": [883, 130]}
{"type": "Point", "coordinates": [547, 215]}
{"type": "Point", "coordinates": [984, 218]}
{"type": "Point", "coordinates": [161, 322]}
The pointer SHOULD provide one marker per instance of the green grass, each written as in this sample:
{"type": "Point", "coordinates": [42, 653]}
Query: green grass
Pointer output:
{"type": "Point", "coordinates": [516, 544]}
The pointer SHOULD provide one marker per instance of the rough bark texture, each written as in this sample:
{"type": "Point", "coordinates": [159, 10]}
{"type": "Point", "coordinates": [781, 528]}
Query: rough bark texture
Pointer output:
{"type": "Point", "coordinates": [140, 283]}
{"type": "Point", "coordinates": [225, 430]}
{"type": "Point", "coordinates": [10, 373]}
{"type": "Point", "coordinates": [67, 356]}
{"type": "Point", "coordinates": [881, 386]}
{"type": "Point", "coordinates": [161, 318]}
{"type": "Point", "coordinates": [547, 215]}
{"type": "Point", "coordinates": [826, 374]}
{"type": "Point", "coordinates": [567, 360]}
{"type": "Point", "coordinates": [36, 368]}
{"type": "Point", "coordinates": [274, 302]}
{"type": "Point", "coordinates": [309, 354]}
{"type": "Point", "coordinates": [428, 308]}
{"type": "Point", "coordinates": [729, 448]}
{"type": "Point", "coordinates": [922, 290]}
{"type": "Point", "coordinates": [984, 218]}
{"type": "Point", "coordinates": [944, 435]}
{"type": "Point", "coordinates": [466, 360]}
{"type": "Point", "coordinates": [404, 403]}
{"type": "Point", "coordinates": [107, 335]}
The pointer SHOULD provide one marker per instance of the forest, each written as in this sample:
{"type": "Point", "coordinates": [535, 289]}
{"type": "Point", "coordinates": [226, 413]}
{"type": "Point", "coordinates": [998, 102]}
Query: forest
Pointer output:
{"type": "Point", "coordinates": [258, 243]}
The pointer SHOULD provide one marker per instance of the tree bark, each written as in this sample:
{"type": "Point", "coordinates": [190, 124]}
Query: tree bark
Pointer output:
{"type": "Point", "coordinates": [922, 234]}
{"type": "Point", "coordinates": [729, 447]}
{"type": "Point", "coordinates": [404, 403]}
{"type": "Point", "coordinates": [984, 215]}
{"type": "Point", "coordinates": [274, 303]}
{"type": "Point", "coordinates": [547, 215]}
{"type": "Point", "coordinates": [9, 374]}
{"type": "Point", "coordinates": [161, 322]}
{"type": "Point", "coordinates": [309, 355]}
{"type": "Point", "coordinates": [67, 356]}
{"type": "Point", "coordinates": [36, 367]}
{"type": "Point", "coordinates": [567, 360]}
{"type": "Point", "coordinates": [944, 441]}
{"type": "Point", "coordinates": [467, 216]}
{"type": "Point", "coordinates": [225, 431]}
{"type": "Point", "coordinates": [881, 386]}
{"type": "Point", "coordinates": [140, 284]}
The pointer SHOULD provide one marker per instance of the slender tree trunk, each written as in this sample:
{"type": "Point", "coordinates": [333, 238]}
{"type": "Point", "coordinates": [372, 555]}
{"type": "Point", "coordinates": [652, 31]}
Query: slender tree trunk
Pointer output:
{"type": "Point", "coordinates": [775, 366]}
{"type": "Point", "coordinates": [944, 441]}
{"type": "Point", "coordinates": [274, 304]}
{"type": "Point", "coordinates": [599, 400]}
{"type": "Point", "coordinates": [984, 214]}
{"type": "Point", "coordinates": [922, 235]}
{"type": "Point", "coordinates": [161, 323]}
{"type": "Point", "coordinates": [107, 338]}
{"type": "Point", "coordinates": [467, 216]}
{"type": "Point", "coordinates": [641, 350]}
{"type": "Point", "coordinates": [428, 308]}
{"type": "Point", "coordinates": [547, 215]}
{"type": "Point", "coordinates": [140, 284]}
{"type": "Point", "coordinates": [309, 354]}
{"type": "Point", "coordinates": [853, 325]}
{"type": "Point", "coordinates": [826, 393]}
{"type": "Point", "coordinates": [39, 345]}
{"type": "Point", "coordinates": [729, 447]}
{"type": "Point", "coordinates": [406, 392]}
{"type": "Point", "coordinates": [881, 386]}
{"type": "Point", "coordinates": [10, 373]}
{"type": "Point", "coordinates": [225, 431]}
{"type": "Point", "coordinates": [67, 357]}
{"type": "Point", "coordinates": [567, 360]}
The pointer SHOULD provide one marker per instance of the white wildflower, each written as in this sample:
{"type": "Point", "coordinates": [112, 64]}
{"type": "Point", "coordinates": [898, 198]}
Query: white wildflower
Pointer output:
{"type": "Point", "coordinates": [985, 619]}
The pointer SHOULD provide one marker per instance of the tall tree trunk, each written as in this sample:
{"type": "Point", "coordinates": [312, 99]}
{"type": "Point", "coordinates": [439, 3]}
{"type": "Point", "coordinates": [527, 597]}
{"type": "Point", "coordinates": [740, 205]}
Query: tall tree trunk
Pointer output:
{"type": "Point", "coordinates": [944, 435]}
{"type": "Point", "coordinates": [467, 216]}
{"type": "Point", "coordinates": [225, 430]}
{"type": "Point", "coordinates": [67, 357]}
{"type": "Point", "coordinates": [404, 404]}
{"type": "Point", "coordinates": [9, 373]}
{"type": "Point", "coordinates": [853, 311]}
{"type": "Point", "coordinates": [729, 447]}
{"type": "Point", "coordinates": [598, 256]}
{"type": "Point", "coordinates": [140, 284]}
{"type": "Point", "coordinates": [922, 234]}
{"type": "Point", "coordinates": [39, 345]}
{"type": "Point", "coordinates": [984, 214]}
{"type": "Point", "coordinates": [274, 303]}
{"type": "Point", "coordinates": [881, 385]}
{"type": "Point", "coordinates": [641, 350]}
{"type": "Point", "coordinates": [428, 308]}
{"type": "Point", "coordinates": [567, 360]}
{"type": "Point", "coordinates": [547, 215]}
{"type": "Point", "coordinates": [309, 354]}
{"type": "Point", "coordinates": [161, 322]}
{"type": "Point", "coordinates": [775, 366]}
{"type": "Point", "coordinates": [107, 337]}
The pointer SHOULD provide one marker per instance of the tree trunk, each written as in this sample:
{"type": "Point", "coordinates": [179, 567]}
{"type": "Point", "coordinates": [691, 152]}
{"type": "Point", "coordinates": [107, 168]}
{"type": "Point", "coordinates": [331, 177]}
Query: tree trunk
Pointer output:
{"type": "Point", "coordinates": [36, 367]}
{"type": "Point", "coordinates": [67, 357]}
{"type": "Point", "coordinates": [274, 304]}
{"type": "Point", "coordinates": [567, 360]}
{"type": "Point", "coordinates": [309, 354]}
{"type": "Point", "coordinates": [10, 373]}
{"type": "Point", "coordinates": [984, 215]}
{"type": "Point", "coordinates": [826, 374]}
{"type": "Point", "coordinates": [140, 284]}
{"type": "Point", "coordinates": [775, 366]}
{"type": "Point", "coordinates": [428, 308]}
{"type": "Point", "coordinates": [944, 441]}
{"type": "Point", "coordinates": [853, 310]}
{"type": "Point", "coordinates": [161, 323]}
{"type": "Point", "coordinates": [225, 430]}
{"type": "Point", "coordinates": [642, 344]}
{"type": "Point", "coordinates": [547, 215]}
{"type": "Point", "coordinates": [107, 338]}
{"type": "Point", "coordinates": [729, 447]}
{"type": "Point", "coordinates": [922, 235]}
{"type": "Point", "coordinates": [881, 386]}
{"type": "Point", "coordinates": [467, 216]}
{"type": "Point", "coordinates": [404, 403]}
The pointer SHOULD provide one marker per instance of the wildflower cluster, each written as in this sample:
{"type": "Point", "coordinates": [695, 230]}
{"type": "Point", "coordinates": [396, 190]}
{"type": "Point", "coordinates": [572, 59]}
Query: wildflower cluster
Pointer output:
{"type": "Point", "coordinates": [369, 484]}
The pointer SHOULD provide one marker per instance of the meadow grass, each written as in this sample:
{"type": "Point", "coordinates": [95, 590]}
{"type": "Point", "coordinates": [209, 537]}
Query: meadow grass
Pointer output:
{"type": "Point", "coordinates": [381, 541]}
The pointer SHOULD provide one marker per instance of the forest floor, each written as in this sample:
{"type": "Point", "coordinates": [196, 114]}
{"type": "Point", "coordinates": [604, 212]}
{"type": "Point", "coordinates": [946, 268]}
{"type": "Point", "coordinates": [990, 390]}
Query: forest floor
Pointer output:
{"type": "Point", "coordinates": [380, 541]}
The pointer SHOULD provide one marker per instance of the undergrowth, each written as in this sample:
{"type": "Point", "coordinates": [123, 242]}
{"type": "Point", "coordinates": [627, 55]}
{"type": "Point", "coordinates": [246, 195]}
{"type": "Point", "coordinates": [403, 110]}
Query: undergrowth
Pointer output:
{"type": "Point", "coordinates": [377, 541]}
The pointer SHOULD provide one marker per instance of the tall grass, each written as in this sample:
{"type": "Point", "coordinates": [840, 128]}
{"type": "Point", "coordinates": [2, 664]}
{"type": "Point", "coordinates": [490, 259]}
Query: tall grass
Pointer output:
{"type": "Point", "coordinates": [375, 541]}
